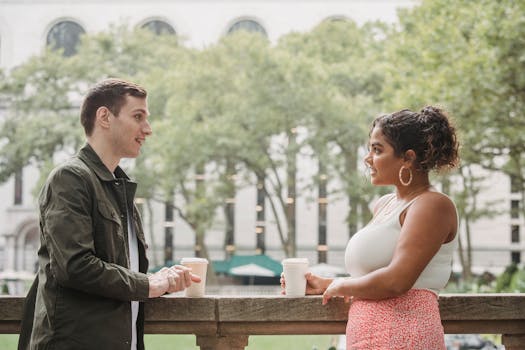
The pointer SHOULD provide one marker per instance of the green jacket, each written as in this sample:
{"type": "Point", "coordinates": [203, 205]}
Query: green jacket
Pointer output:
{"type": "Point", "coordinates": [81, 297]}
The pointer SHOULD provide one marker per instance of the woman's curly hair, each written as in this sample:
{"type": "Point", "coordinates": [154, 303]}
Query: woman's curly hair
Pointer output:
{"type": "Point", "coordinates": [429, 133]}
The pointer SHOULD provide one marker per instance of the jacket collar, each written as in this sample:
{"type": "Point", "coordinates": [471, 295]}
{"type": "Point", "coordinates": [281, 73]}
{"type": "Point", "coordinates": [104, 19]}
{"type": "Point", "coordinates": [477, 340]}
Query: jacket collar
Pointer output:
{"type": "Point", "coordinates": [91, 158]}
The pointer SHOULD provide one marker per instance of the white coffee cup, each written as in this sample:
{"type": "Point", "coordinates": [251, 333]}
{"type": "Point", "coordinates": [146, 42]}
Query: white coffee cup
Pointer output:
{"type": "Point", "coordinates": [198, 267]}
{"type": "Point", "coordinates": [294, 274]}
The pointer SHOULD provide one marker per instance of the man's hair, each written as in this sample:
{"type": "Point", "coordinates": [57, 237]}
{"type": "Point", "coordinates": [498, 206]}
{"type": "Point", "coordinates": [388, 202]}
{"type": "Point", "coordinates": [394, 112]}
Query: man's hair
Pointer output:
{"type": "Point", "coordinates": [110, 93]}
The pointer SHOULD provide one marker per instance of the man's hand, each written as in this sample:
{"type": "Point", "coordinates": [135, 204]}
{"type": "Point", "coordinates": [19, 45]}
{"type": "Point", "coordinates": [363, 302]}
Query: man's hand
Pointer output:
{"type": "Point", "coordinates": [171, 280]}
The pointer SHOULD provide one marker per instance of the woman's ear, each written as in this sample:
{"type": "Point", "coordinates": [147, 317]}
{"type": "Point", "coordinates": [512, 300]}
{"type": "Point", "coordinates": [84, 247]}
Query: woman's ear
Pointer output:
{"type": "Point", "coordinates": [410, 156]}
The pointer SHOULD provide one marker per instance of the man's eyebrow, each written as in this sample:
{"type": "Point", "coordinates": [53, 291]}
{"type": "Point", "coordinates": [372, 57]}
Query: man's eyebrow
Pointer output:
{"type": "Point", "coordinates": [141, 110]}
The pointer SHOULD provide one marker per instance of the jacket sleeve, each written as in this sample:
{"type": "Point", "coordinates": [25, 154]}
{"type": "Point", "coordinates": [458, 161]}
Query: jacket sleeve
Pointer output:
{"type": "Point", "coordinates": [65, 206]}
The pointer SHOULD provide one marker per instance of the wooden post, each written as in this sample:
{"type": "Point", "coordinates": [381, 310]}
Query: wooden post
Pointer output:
{"type": "Point", "coordinates": [513, 341]}
{"type": "Point", "coordinates": [230, 342]}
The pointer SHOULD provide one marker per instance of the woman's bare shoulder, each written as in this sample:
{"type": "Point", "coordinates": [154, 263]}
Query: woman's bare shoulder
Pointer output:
{"type": "Point", "coordinates": [436, 198]}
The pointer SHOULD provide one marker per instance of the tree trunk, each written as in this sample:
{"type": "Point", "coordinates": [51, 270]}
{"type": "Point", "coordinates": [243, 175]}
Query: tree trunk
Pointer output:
{"type": "Point", "coordinates": [168, 231]}
{"type": "Point", "coordinates": [467, 268]}
{"type": "Point", "coordinates": [291, 171]}
{"type": "Point", "coordinates": [464, 263]}
{"type": "Point", "coordinates": [366, 214]}
{"type": "Point", "coordinates": [201, 251]}
{"type": "Point", "coordinates": [260, 224]}
{"type": "Point", "coordinates": [322, 248]}
{"type": "Point", "coordinates": [229, 210]}
{"type": "Point", "coordinates": [151, 227]}
{"type": "Point", "coordinates": [353, 199]}
{"type": "Point", "coordinates": [199, 193]}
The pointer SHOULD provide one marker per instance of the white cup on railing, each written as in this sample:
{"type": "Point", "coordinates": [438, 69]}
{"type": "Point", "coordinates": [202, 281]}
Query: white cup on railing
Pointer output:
{"type": "Point", "coordinates": [294, 274]}
{"type": "Point", "coordinates": [198, 267]}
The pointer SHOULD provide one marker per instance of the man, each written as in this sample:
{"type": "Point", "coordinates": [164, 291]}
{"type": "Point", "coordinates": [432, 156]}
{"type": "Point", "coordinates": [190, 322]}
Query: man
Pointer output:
{"type": "Point", "coordinates": [92, 260]}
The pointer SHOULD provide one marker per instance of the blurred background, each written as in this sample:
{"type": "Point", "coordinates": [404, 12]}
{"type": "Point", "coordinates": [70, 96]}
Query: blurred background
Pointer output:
{"type": "Point", "coordinates": [261, 112]}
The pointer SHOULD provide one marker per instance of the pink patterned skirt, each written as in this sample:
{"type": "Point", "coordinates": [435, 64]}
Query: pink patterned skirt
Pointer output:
{"type": "Point", "coordinates": [410, 321]}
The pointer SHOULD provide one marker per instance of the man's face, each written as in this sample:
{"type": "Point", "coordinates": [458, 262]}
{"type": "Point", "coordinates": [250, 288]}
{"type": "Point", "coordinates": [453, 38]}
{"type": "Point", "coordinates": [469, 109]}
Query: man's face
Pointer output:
{"type": "Point", "coordinates": [130, 128]}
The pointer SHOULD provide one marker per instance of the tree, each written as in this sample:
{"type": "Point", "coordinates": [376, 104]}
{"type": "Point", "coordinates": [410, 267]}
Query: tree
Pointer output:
{"type": "Point", "coordinates": [342, 103]}
{"type": "Point", "coordinates": [465, 56]}
{"type": "Point", "coordinates": [40, 118]}
{"type": "Point", "coordinates": [43, 97]}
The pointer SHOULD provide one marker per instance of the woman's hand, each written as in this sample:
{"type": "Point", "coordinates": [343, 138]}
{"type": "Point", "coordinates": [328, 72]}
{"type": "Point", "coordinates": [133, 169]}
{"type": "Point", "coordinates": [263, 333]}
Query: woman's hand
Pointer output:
{"type": "Point", "coordinates": [315, 285]}
{"type": "Point", "coordinates": [336, 289]}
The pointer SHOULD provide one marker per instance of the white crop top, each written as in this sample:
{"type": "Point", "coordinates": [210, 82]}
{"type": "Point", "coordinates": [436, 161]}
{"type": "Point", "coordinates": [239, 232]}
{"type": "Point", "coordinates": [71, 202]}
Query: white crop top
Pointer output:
{"type": "Point", "coordinates": [373, 247]}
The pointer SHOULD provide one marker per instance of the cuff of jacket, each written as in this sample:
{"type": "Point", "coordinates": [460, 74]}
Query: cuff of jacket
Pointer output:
{"type": "Point", "coordinates": [141, 287]}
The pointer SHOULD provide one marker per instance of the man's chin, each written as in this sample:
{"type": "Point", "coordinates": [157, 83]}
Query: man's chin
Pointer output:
{"type": "Point", "coordinates": [132, 154]}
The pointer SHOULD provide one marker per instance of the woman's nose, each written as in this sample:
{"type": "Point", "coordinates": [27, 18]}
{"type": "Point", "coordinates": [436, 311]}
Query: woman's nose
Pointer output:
{"type": "Point", "coordinates": [368, 159]}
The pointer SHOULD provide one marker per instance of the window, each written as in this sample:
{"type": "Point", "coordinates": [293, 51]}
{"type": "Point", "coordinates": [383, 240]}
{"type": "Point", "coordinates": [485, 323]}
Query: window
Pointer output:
{"type": "Point", "coordinates": [159, 27]}
{"type": "Point", "coordinates": [514, 209]}
{"type": "Point", "coordinates": [515, 184]}
{"type": "Point", "coordinates": [515, 257]}
{"type": "Point", "coordinates": [515, 234]}
{"type": "Point", "coordinates": [18, 187]}
{"type": "Point", "coordinates": [248, 25]}
{"type": "Point", "coordinates": [65, 36]}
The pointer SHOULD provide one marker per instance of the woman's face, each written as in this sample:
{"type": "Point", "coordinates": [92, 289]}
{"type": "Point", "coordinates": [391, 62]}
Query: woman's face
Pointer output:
{"type": "Point", "coordinates": [383, 163]}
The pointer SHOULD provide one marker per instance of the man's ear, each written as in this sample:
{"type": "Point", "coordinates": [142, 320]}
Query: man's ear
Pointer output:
{"type": "Point", "coordinates": [102, 117]}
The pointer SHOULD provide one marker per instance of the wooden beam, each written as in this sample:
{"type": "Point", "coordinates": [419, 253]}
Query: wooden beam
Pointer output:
{"type": "Point", "coordinates": [226, 316]}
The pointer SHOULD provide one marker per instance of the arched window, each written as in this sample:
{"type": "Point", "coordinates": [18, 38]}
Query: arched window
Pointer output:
{"type": "Point", "coordinates": [159, 27]}
{"type": "Point", "coordinates": [65, 35]}
{"type": "Point", "coordinates": [248, 25]}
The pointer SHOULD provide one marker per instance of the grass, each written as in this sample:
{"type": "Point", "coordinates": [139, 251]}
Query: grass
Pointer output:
{"type": "Point", "coordinates": [8, 341]}
{"type": "Point", "coordinates": [187, 342]}
{"type": "Point", "coordinates": [291, 342]}
{"type": "Point", "coordinates": [255, 342]}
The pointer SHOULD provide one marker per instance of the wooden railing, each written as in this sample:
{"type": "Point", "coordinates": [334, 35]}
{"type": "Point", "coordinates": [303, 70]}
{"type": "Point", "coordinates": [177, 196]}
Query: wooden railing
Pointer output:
{"type": "Point", "coordinates": [225, 323]}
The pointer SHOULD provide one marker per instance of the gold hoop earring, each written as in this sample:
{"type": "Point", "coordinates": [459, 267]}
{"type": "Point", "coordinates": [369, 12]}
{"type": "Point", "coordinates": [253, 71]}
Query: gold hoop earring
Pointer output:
{"type": "Point", "coordinates": [401, 176]}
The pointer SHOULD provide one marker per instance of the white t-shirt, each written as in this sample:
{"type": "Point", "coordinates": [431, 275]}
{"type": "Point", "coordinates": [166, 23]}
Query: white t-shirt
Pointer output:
{"type": "Point", "coordinates": [133, 248]}
{"type": "Point", "coordinates": [134, 266]}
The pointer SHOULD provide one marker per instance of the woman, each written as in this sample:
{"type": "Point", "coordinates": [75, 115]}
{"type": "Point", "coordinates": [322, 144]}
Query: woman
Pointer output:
{"type": "Point", "coordinates": [402, 257]}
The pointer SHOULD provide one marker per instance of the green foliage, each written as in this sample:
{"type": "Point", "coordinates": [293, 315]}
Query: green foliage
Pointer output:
{"type": "Point", "coordinates": [517, 283]}
{"type": "Point", "coordinates": [511, 280]}
{"type": "Point", "coordinates": [503, 281]}
{"type": "Point", "coordinates": [188, 341]}
{"type": "Point", "coordinates": [468, 57]}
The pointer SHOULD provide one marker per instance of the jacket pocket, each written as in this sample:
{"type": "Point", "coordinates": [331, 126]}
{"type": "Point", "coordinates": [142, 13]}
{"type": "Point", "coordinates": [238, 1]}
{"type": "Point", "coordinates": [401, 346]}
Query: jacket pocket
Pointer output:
{"type": "Point", "coordinates": [108, 234]}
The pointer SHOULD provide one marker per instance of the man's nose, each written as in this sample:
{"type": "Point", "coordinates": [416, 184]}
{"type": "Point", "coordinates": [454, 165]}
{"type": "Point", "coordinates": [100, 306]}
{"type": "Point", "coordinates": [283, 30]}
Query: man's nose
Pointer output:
{"type": "Point", "coordinates": [147, 129]}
